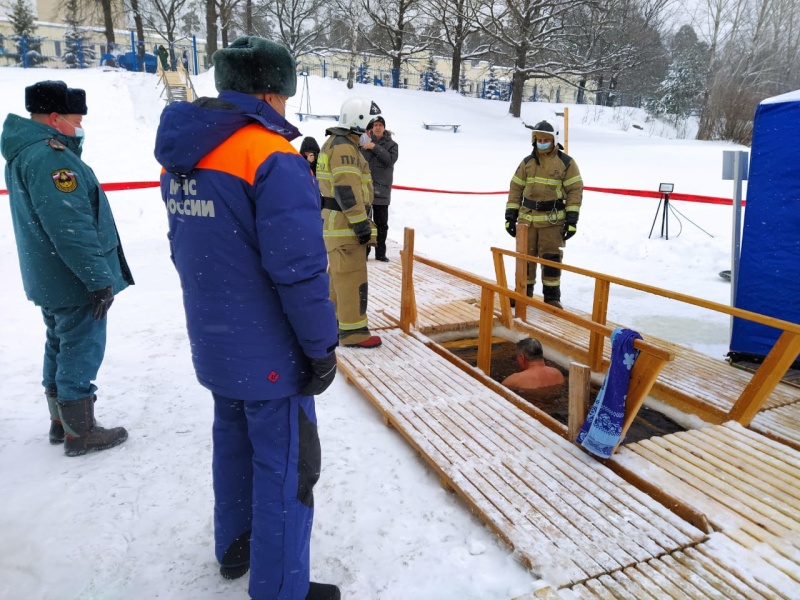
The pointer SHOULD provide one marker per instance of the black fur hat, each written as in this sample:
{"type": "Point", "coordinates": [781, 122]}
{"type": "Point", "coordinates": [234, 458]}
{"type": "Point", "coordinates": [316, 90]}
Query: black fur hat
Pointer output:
{"type": "Point", "coordinates": [254, 65]}
{"type": "Point", "coordinates": [47, 97]}
{"type": "Point", "coordinates": [309, 145]}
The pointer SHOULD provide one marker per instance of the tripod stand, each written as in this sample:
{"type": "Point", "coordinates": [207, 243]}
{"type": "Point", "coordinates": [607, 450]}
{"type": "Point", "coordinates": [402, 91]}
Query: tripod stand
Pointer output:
{"type": "Point", "coordinates": [668, 208]}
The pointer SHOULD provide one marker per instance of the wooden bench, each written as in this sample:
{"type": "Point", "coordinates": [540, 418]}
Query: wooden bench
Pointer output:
{"type": "Point", "coordinates": [441, 126]}
{"type": "Point", "coordinates": [306, 116]}
{"type": "Point", "coordinates": [568, 517]}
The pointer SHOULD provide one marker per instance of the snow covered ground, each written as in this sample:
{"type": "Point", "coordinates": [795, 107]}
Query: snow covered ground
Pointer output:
{"type": "Point", "coordinates": [136, 522]}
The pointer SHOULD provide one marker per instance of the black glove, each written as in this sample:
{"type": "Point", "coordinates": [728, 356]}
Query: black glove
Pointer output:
{"type": "Point", "coordinates": [570, 225]}
{"type": "Point", "coordinates": [363, 232]}
{"type": "Point", "coordinates": [323, 370]}
{"type": "Point", "coordinates": [101, 302]}
{"type": "Point", "coordinates": [511, 221]}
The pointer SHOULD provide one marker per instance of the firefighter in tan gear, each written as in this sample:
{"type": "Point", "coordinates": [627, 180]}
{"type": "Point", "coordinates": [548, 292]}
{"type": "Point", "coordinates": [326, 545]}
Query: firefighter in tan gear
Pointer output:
{"type": "Point", "coordinates": [345, 185]}
{"type": "Point", "coordinates": [545, 194]}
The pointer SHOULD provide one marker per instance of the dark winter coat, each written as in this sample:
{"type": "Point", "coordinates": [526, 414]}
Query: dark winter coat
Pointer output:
{"type": "Point", "coordinates": [246, 238]}
{"type": "Point", "coordinates": [381, 160]}
{"type": "Point", "coordinates": [66, 236]}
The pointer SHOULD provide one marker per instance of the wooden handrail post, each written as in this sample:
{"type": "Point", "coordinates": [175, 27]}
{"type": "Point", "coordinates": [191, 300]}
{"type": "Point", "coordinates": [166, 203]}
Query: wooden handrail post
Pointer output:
{"type": "Point", "coordinates": [599, 315]}
{"type": "Point", "coordinates": [485, 326]}
{"type": "Point", "coordinates": [408, 302]}
{"type": "Point", "coordinates": [644, 373]}
{"type": "Point", "coordinates": [505, 303]}
{"type": "Point", "coordinates": [768, 375]}
{"type": "Point", "coordinates": [566, 130]}
{"type": "Point", "coordinates": [579, 394]}
{"type": "Point", "coordinates": [521, 272]}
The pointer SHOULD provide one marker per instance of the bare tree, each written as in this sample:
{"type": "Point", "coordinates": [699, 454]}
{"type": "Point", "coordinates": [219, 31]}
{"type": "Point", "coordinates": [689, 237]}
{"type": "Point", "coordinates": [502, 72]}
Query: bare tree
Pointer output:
{"type": "Point", "coordinates": [162, 16]}
{"type": "Point", "coordinates": [456, 22]}
{"type": "Point", "coordinates": [296, 24]}
{"type": "Point", "coordinates": [393, 20]}
{"type": "Point", "coordinates": [536, 35]}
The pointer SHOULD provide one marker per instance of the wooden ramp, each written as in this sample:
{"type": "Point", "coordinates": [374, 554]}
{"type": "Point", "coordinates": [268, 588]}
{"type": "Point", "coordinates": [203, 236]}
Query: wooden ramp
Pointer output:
{"type": "Point", "coordinates": [782, 424]}
{"type": "Point", "coordinates": [748, 486]}
{"type": "Point", "coordinates": [718, 569]}
{"type": "Point", "coordinates": [568, 517]}
{"type": "Point", "coordinates": [444, 302]}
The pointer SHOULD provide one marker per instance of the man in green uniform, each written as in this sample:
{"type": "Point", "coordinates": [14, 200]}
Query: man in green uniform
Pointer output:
{"type": "Point", "coordinates": [345, 185]}
{"type": "Point", "coordinates": [69, 254]}
{"type": "Point", "coordinates": [545, 194]}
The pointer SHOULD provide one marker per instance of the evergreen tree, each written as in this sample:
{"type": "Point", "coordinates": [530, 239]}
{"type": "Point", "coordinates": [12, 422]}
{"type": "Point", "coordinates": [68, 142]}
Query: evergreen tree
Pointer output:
{"type": "Point", "coordinates": [679, 94]}
{"type": "Point", "coordinates": [364, 75]}
{"type": "Point", "coordinates": [492, 90]}
{"type": "Point", "coordinates": [78, 54]}
{"type": "Point", "coordinates": [29, 46]}
{"type": "Point", "coordinates": [431, 79]}
{"type": "Point", "coordinates": [462, 81]}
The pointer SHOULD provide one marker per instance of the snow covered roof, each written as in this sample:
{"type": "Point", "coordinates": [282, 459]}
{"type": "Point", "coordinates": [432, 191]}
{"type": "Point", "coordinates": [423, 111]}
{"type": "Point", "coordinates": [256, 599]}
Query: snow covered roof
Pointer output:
{"type": "Point", "coordinates": [787, 97]}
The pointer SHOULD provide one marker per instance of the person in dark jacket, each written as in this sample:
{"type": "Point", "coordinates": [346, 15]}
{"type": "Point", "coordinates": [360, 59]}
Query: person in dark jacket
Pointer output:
{"type": "Point", "coordinates": [163, 56]}
{"type": "Point", "coordinates": [310, 151]}
{"type": "Point", "coordinates": [246, 239]}
{"type": "Point", "coordinates": [381, 153]}
{"type": "Point", "coordinates": [69, 253]}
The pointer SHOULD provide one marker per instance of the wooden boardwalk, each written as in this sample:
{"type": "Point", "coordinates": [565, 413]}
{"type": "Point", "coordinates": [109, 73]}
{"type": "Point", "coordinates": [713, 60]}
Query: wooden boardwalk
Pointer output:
{"type": "Point", "coordinates": [708, 513]}
{"type": "Point", "coordinates": [568, 517]}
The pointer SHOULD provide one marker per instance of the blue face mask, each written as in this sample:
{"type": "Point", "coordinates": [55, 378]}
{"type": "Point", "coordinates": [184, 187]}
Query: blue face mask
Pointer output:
{"type": "Point", "coordinates": [546, 146]}
{"type": "Point", "coordinates": [80, 135]}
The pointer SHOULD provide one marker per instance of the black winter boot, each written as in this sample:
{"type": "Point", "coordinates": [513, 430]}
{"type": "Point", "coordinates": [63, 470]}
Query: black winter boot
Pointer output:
{"type": "Point", "coordinates": [552, 296]}
{"type": "Point", "coordinates": [236, 561]}
{"type": "Point", "coordinates": [82, 435]}
{"type": "Point", "coordinates": [323, 591]}
{"type": "Point", "coordinates": [56, 428]}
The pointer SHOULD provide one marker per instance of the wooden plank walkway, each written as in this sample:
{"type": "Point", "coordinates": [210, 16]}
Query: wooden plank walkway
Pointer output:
{"type": "Point", "coordinates": [693, 382]}
{"type": "Point", "coordinates": [782, 424]}
{"type": "Point", "coordinates": [568, 517]}
{"type": "Point", "coordinates": [748, 486]}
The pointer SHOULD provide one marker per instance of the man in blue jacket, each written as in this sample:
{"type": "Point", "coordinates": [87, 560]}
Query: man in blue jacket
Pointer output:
{"type": "Point", "coordinates": [69, 253]}
{"type": "Point", "coordinates": [246, 238]}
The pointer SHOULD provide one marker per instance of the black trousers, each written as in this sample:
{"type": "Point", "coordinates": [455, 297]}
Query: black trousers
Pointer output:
{"type": "Point", "coordinates": [380, 216]}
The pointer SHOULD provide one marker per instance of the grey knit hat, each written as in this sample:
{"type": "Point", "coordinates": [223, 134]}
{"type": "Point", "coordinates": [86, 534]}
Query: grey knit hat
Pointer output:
{"type": "Point", "coordinates": [254, 65]}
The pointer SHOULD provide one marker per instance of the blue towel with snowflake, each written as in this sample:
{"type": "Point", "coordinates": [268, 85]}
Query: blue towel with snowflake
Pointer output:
{"type": "Point", "coordinates": [602, 430]}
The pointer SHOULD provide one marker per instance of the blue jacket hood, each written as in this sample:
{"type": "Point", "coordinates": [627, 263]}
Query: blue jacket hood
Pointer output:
{"type": "Point", "coordinates": [188, 131]}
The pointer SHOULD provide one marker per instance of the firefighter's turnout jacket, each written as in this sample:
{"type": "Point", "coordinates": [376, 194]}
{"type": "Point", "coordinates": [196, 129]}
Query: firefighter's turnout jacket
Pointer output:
{"type": "Point", "coordinates": [545, 187]}
{"type": "Point", "coordinates": [345, 185]}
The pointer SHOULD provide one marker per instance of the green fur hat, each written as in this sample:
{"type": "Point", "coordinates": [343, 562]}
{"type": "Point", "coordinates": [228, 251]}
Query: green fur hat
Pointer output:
{"type": "Point", "coordinates": [253, 65]}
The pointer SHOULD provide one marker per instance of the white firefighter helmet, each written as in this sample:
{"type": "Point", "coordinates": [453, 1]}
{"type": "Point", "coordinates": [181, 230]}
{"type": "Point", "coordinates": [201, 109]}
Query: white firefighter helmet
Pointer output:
{"type": "Point", "coordinates": [545, 126]}
{"type": "Point", "coordinates": [356, 113]}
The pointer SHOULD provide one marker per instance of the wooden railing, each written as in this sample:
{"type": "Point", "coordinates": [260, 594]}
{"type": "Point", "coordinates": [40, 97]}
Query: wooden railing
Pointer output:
{"type": "Point", "coordinates": [752, 398]}
{"type": "Point", "coordinates": [645, 371]}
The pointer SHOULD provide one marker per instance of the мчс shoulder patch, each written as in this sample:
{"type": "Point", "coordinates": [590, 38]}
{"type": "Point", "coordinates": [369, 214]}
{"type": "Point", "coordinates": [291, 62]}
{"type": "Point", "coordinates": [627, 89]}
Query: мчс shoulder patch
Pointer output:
{"type": "Point", "coordinates": [65, 180]}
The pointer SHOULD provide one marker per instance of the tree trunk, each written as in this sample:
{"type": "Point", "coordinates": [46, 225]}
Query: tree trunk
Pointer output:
{"type": "Point", "coordinates": [137, 21]}
{"type": "Point", "coordinates": [455, 72]}
{"type": "Point", "coordinates": [248, 17]}
{"type": "Point", "coordinates": [211, 29]}
{"type": "Point", "coordinates": [517, 85]}
{"type": "Point", "coordinates": [518, 81]}
{"type": "Point", "coordinates": [581, 91]}
{"type": "Point", "coordinates": [108, 22]}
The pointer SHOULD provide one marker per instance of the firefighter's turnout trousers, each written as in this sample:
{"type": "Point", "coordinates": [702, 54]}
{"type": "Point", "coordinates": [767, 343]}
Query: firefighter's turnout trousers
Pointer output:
{"type": "Point", "coordinates": [347, 268]}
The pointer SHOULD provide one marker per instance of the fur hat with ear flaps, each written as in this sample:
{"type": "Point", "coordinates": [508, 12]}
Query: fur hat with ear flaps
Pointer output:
{"type": "Point", "coordinates": [254, 65]}
{"type": "Point", "coordinates": [47, 97]}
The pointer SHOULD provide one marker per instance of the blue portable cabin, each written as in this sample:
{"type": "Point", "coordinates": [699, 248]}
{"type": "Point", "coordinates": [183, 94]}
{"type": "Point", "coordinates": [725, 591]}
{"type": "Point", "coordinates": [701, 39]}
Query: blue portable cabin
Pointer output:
{"type": "Point", "coordinates": [129, 59]}
{"type": "Point", "coordinates": [769, 267]}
